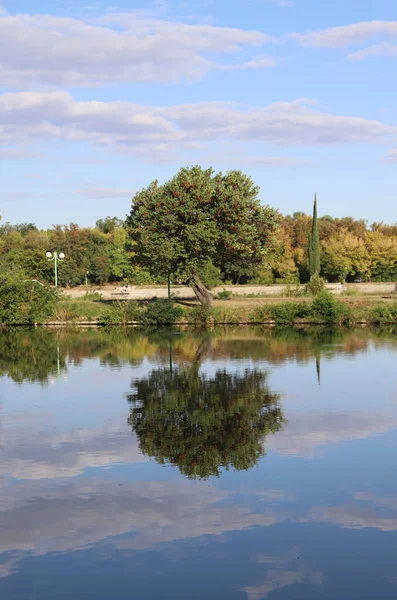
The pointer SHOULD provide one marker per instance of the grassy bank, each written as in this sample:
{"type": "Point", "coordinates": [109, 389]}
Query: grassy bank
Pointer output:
{"type": "Point", "coordinates": [323, 309]}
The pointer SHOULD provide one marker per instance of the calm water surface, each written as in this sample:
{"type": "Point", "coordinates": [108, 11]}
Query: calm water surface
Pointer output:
{"type": "Point", "coordinates": [242, 465]}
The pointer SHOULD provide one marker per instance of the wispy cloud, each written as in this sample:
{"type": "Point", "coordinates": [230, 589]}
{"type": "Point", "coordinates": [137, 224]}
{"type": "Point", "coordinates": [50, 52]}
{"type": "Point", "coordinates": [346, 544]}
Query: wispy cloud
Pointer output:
{"type": "Point", "coordinates": [386, 49]}
{"type": "Point", "coordinates": [345, 36]}
{"type": "Point", "coordinates": [153, 131]}
{"type": "Point", "coordinates": [117, 47]}
{"type": "Point", "coordinates": [392, 156]}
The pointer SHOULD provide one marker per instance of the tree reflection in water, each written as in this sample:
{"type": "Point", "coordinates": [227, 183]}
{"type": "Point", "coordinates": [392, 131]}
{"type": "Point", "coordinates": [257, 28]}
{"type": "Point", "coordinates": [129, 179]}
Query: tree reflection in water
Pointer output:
{"type": "Point", "coordinates": [204, 423]}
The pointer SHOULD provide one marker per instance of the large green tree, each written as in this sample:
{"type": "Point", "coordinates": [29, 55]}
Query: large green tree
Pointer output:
{"type": "Point", "coordinates": [200, 216]}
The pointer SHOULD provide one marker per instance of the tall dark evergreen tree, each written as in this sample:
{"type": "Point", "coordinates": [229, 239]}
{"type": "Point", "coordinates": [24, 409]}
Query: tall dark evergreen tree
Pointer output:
{"type": "Point", "coordinates": [313, 255]}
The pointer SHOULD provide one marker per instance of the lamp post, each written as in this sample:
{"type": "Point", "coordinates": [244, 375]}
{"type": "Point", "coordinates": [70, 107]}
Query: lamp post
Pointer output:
{"type": "Point", "coordinates": [55, 257]}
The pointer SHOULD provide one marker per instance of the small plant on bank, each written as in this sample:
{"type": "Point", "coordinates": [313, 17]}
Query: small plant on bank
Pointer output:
{"type": "Point", "coordinates": [225, 294]}
{"type": "Point", "coordinates": [315, 286]}
{"type": "Point", "coordinates": [294, 291]}
{"type": "Point", "coordinates": [383, 314]}
{"type": "Point", "coordinates": [91, 297]}
{"type": "Point", "coordinates": [201, 317]}
{"type": "Point", "coordinates": [160, 313]}
{"type": "Point", "coordinates": [120, 313]}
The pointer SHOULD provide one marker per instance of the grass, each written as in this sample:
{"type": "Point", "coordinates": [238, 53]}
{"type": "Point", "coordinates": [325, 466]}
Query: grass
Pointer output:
{"type": "Point", "coordinates": [331, 309]}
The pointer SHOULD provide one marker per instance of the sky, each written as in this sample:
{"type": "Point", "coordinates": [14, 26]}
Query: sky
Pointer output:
{"type": "Point", "coordinates": [99, 99]}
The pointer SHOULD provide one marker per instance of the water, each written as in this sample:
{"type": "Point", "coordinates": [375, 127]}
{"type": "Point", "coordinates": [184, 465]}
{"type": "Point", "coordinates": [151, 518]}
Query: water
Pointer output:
{"type": "Point", "coordinates": [242, 465]}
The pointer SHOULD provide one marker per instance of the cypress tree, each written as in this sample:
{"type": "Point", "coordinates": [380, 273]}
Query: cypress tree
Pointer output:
{"type": "Point", "coordinates": [314, 245]}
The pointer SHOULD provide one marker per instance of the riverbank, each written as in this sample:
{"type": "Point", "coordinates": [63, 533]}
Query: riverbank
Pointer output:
{"type": "Point", "coordinates": [325, 309]}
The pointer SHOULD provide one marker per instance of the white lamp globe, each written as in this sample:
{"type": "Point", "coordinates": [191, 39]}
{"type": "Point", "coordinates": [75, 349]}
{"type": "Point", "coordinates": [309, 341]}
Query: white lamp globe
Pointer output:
{"type": "Point", "coordinates": [61, 255]}
{"type": "Point", "coordinates": [48, 254]}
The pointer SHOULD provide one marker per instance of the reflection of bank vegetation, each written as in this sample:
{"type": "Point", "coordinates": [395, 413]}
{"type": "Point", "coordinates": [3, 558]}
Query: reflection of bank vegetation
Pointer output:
{"type": "Point", "coordinates": [37, 355]}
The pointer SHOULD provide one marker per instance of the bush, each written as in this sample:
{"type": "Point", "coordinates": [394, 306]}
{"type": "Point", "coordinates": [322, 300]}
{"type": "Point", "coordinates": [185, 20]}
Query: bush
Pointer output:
{"type": "Point", "coordinates": [25, 302]}
{"type": "Point", "coordinates": [288, 312]}
{"type": "Point", "coordinates": [201, 317]}
{"type": "Point", "coordinates": [383, 313]}
{"type": "Point", "coordinates": [315, 286]}
{"type": "Point", "coordinates": [90, 297]}
{"type": "Point", "coordinates": [328, 309]}
{"type": "Point", "coordinates": [294, 291]}
{"type": "Point", "coordinates": [120, 313]}
{"type": "Point", "coordinates": [351, 292]}
{"type": "Point", "coordinates": [160, 313]}
{"type": "Point", "coordinates": [225, 294]}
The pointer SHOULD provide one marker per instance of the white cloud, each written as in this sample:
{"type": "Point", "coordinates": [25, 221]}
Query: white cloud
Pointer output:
{"type": "Point", "coordinates": [119, 47]}
{"type": "Point", "coordinates": [306, 434]}
{"type": "Point", "coordinates": [385, 49]}
{"type": "Point", "coordinates": [348, 35]}
{"type": "Point", "coordinates": [392, 156]}
{"type": "Point", "coordinates": [15, 154]}
{"type": "Point", "coordinates": [38, 518]}
{"type": "Point", "coordinates": [156, 133]}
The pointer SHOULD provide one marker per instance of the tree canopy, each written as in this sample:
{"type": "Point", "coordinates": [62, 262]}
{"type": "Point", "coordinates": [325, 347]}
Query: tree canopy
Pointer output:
{"type": "Point", "coordinates": [201, 216]}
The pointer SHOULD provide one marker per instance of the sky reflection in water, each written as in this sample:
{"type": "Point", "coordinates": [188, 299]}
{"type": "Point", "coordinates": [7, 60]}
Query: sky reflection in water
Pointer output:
{"type": "Point", "coordinates": [109, 460]}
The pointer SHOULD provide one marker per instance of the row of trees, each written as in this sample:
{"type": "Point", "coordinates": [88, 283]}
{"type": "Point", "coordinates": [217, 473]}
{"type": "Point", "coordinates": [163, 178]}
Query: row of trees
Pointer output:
{"type": "Point", "coordinates": [205, 228]}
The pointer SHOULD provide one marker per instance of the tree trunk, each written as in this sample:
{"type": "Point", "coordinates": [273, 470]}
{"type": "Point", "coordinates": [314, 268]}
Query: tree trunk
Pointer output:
{"type": "Point", "coordinates": [202, 294]}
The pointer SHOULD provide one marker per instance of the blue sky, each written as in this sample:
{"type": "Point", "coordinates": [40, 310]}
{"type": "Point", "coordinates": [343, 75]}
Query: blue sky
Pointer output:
{"type": "Point", "coordinates": [97, 100]}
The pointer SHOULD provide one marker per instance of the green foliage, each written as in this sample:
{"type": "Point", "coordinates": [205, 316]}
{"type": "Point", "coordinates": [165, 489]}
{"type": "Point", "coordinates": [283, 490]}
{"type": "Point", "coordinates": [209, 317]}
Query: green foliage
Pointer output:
{"type": "Point", "coordinates": [161, 313]}
{"type": "Point", "coordinates": [314, 245]}
{"type": "Point", "coordinates": [288, 312]}
{"type": "Point", "coordinates": [314, 286]}
{"type": "Point", "coordinates": [24, 301]}
{"type": "Point", "coordinates": [225, 294]}
{"type": "Point", "coordinates": [201, 317]}
{"type": "Point", "coordinates": [294, 291]}
{"type": "Point", "coordinates": [203, 424]}
{"type": "Point", "coordinates": [109, 224]}
{"type": "Point", "coordinates": [351, 293]}
{"type": "Point", "coordinates": [209, 274]}
{"type": "Point", "coordinates": [91, 297]}
{"type": "Point", "coordinates": [120, 313]}
{"type": "Point", "coordinates": [383, 314]}
{"type": "Point", "coordinates": [199, 217]}
{"type": "Point", "coordinates": [329, 309]}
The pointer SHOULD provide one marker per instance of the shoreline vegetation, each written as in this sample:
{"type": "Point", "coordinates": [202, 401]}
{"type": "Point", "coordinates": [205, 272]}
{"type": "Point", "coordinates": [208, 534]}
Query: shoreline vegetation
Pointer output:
{"type": "Point", "coordinates": [50, 309]}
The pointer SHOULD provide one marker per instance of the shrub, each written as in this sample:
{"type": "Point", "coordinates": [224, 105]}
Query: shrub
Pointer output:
{"type": "Point", "coordinates": [351, 292]}
{"type": "Point", "coordinates": [225, 294]}
{"type": "Point", "coordinates": [91, 297]}
{"type": "Point", "coordinates": [120, 313]}
{"type": "Point", "coordinates": [315, 286]}
{"type": "Point", "coordinates": [328, 309]}
{"type": "Point", "coordinates": [25, 302]}
{"type": "Point", "coordinates": [294, 291]}
{"type": "Point", "coordinates": [160, 313]}
{"type": "Point", "coordinates": [260, 314]}
{"type": "Point", "coordinates": [201, 316]}
{"type": "Point", "coordinates": [288, 312]}
{"type": "Point", "coordinates": [383, 313]}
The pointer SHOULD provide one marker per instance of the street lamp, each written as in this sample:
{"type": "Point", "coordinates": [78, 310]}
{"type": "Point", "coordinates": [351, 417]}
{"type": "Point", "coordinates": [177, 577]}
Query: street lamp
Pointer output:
{"type": "Point", "coordinates": [55, 257]}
